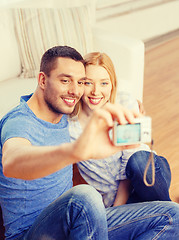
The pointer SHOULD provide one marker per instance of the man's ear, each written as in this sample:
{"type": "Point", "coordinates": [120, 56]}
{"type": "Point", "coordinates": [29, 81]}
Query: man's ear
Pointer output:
{"type": "Point", "coordinates": [41, 80]}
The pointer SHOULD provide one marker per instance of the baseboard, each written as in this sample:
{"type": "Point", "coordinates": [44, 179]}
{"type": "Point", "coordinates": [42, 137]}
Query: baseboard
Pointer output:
{"type": "Point", "coordinates": [111, 10]}
{"type": "Point", "coordinates": [153, 42]}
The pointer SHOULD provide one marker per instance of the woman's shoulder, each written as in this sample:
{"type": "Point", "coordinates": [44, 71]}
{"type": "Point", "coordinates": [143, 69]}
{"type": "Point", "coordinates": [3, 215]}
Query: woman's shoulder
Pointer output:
{"type": "Point", "coordinates": [74, 127]}
{"type": "Point", "coordinates": [127, 100]}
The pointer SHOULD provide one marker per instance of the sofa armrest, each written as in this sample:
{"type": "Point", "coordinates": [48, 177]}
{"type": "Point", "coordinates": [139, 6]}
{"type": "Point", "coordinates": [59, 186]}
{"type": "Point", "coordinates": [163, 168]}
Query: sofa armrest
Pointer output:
{"type": "Point", "coordinates": [10, 59]}
{"type": "Point", "coordinates": [127, 54]}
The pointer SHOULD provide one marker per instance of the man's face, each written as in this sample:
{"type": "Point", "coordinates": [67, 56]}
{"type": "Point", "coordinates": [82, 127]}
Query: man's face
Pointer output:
{"type": "Point", "coordinates": [64, 87]}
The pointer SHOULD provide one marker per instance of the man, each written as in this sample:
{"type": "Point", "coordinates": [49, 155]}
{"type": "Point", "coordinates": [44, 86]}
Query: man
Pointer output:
{"type": "Point", "coordinates": [35, 147]}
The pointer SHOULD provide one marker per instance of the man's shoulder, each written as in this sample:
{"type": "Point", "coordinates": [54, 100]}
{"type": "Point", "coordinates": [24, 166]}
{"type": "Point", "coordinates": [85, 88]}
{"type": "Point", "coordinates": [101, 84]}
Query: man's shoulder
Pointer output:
{"type": "Point", "coordinates": [16, 114]}
{"type": "Point", "coordinates": [15, 123]}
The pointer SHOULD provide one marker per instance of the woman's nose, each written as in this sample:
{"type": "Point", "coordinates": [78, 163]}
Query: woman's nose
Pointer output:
{"type": "Point", "coordinates": [95, 89]}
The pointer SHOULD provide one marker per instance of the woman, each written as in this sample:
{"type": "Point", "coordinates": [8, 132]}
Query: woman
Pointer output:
{"type": "Point", "coordinates": [118, 178]}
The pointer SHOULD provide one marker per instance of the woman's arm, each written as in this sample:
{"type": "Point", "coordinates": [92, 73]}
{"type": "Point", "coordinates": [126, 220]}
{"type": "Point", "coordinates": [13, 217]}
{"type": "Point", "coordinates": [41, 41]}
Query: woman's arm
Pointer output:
{"type": "Point", "coordinates": [122, 193]}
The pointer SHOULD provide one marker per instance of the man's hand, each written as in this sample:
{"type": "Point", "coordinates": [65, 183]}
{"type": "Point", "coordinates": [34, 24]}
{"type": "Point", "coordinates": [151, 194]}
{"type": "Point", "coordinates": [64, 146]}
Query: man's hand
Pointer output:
{"type": "Point", "coordinates": [23, 160]}
{"type": "Point", "coordinates": [95, 142]}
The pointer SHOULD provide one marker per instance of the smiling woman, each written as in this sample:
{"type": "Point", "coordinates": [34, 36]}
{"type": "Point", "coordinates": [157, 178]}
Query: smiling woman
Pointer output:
{"type": "Point", "coordinates": [115, 176]}
{"type": "Point", "coordinates": [98, 87]}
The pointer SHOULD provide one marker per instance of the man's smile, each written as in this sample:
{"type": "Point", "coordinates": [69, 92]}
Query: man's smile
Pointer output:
{"type": "Point", "coordinates": [70, 101]}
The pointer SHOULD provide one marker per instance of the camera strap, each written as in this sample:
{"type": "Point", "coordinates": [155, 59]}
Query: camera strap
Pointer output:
{"type": "Point", "coordinates": [150, 161]}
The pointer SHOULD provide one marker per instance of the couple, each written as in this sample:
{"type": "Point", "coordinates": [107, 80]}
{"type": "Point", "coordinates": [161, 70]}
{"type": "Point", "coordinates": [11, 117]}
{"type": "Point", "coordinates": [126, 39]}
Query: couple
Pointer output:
{"type": "Point", "coordinates": [36, 193]}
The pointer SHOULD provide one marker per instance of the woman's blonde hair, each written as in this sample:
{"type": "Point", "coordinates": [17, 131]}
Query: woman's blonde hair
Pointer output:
{"type": "Point", "coordinates": [103, 60]}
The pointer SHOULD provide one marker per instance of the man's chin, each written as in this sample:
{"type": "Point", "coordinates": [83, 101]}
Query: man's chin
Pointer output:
{"type": "Point", "coordinates": [69, 110]}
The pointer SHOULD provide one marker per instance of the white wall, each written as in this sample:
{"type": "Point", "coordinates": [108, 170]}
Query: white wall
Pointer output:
{"type": "Point", "coordinates": [147, 23]}
{"type": "Point", "coordinates": [143, 24]}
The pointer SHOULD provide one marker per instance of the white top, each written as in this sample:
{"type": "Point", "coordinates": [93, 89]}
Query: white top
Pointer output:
{"type": "Point", "coordinates": [105, 174]}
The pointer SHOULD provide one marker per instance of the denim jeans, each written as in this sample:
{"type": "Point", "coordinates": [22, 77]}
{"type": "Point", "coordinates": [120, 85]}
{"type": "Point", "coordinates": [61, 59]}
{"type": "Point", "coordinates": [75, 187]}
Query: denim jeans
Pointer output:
{"type": "Point", "coordinates": [144, 221]}
{"type": "Point", "coordinates": [135, 170]}
{"type": "Point", "coordinates": [80, 214]}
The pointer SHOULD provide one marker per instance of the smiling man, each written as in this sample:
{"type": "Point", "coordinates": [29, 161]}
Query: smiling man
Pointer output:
{"type": "Point", "coordinates": [36, 194]}
{"type": "Point", "coordinates": [59, 88]}
{"type": "Point", "coordinates": [35, 146]}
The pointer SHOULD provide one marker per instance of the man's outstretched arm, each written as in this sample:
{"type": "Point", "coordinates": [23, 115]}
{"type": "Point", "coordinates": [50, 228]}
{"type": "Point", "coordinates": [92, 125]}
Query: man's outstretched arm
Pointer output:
{"type": "Point", "coordinates": [25, 161]}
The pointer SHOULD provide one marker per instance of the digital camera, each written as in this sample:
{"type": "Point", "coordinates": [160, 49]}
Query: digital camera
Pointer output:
{"type": "Point", "coordinates": [128, 134]}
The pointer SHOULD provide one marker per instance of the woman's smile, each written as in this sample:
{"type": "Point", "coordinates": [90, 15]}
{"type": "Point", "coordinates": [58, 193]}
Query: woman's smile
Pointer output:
{"type": "Point", "coordinates": [95, 101]}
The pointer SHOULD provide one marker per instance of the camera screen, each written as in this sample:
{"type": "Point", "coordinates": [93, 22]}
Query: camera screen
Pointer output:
{"type": "Point", "coordinates": [129, 133]}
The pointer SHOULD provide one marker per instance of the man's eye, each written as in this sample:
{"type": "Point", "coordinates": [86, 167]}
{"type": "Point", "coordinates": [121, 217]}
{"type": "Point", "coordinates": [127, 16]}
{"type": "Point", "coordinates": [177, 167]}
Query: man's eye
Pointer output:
{"type": "Point", "coordinates": [80, 82]}
{"type": "Point", "coordinates": [65, 81]}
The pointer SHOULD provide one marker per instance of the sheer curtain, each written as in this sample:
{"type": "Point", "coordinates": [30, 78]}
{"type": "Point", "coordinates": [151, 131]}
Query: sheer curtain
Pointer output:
{"type": "Point", "coordinates": [38, 29]}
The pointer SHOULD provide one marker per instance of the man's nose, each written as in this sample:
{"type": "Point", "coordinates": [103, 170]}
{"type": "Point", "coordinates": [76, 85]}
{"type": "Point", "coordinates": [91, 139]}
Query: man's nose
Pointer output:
{"type": "Point", "coordinates": [73, 88]}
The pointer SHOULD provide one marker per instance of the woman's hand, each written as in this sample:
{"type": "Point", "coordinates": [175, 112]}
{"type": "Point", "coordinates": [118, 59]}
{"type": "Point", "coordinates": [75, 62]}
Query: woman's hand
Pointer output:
{"type": "Point", "coordinates": [141, 107]}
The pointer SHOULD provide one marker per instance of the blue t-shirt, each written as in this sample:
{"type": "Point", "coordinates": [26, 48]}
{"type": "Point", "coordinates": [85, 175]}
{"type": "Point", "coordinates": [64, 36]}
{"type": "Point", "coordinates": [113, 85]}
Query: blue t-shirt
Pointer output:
{"type": "Point", "coordinates": [23, 200]}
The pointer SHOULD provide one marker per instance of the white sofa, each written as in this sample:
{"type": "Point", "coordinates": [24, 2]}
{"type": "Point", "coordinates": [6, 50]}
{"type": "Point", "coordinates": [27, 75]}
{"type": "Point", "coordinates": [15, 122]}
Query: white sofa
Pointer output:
{"type": "Point", "coordinates": [127, 54]}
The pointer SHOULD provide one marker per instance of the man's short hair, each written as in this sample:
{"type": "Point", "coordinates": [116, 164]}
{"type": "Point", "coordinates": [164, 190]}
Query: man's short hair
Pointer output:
{"type": "Point", "coordinates": [49, 58]}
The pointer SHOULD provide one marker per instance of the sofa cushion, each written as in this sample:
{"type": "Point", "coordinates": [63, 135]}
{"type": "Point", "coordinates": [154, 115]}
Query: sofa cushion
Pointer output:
{"type": "Point", "coordinates": [12, 89]}
{"type": "Point", "coordinates": [38, 29]}
{"type": "Point", "coordinates": [10, 61]}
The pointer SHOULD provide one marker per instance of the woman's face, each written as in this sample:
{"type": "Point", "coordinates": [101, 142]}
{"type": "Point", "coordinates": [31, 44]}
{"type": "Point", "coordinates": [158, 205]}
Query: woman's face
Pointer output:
{"type": "Point", "coordinates": [97, 88]}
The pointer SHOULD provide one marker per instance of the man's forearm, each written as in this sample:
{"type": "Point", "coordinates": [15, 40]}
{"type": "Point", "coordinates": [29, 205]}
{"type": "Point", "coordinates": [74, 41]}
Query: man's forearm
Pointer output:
{"type": "Point", "coordinates": [30, 162]}
{"type": "Point", "coordinates": [22, 160]}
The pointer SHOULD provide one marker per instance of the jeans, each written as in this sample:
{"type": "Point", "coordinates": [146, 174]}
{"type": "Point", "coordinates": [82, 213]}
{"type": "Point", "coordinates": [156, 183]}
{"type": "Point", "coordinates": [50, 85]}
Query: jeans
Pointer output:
{"type": "Point", "coordinates": [135, 170]}
{"type": "Point", "coordinates": [77, 214]}
{"type": "Point", "coordinates": [144, 221]}
{"type": "Point", "coordinates": [80, 214]}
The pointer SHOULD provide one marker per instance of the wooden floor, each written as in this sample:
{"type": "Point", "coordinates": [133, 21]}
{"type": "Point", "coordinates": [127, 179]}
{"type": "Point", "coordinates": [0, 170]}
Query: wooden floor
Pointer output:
{"type": "Point", "coordinates": [161, 101]}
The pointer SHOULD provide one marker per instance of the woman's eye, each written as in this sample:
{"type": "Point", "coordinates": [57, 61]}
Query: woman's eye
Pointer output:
{"type": "Point", "coordinates": [104, 83]}
{"type": "Point", "coordinates": [88, 83]}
